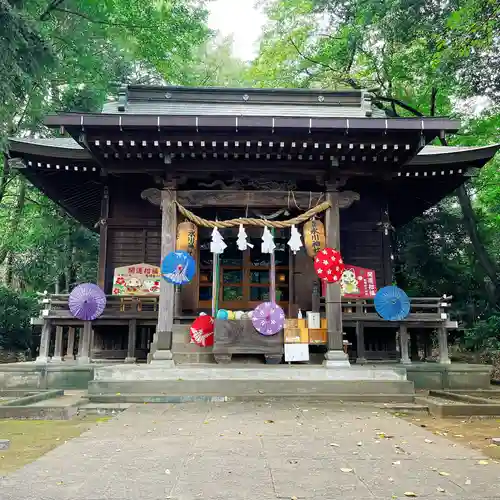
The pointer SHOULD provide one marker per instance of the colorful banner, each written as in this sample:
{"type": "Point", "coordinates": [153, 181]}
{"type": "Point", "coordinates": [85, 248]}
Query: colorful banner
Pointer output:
{"type": "Point", "coordinates": [137, 279]}
{"type": "Point", "coordinates": [356, 283]}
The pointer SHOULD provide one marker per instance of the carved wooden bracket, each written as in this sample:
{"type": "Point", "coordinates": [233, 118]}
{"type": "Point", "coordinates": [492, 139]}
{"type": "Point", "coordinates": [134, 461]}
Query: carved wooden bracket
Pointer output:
{"type": "Point", "coordinates": [347, 198]}
{"type": "Point", "coordinates": [153, 195]}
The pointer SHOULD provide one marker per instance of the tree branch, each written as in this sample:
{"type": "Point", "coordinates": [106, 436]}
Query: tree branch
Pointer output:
{"type": "Point", "coordinates": [399, 103]}
{"type": "Point", "coordinates": [434, 92]}
{"type": "Point", "coordinates": [52, 5]}
{"type": "Point", "coordinates": [350, 81]}
{"type": "Point", "coordinates": [97, 21]}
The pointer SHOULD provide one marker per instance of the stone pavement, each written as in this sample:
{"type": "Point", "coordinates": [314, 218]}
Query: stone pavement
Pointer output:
{"type": "Point", "coordinates": [258, 451]}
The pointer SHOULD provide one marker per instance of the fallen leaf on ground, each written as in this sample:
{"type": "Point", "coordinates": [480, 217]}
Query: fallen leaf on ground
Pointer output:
{"type": "Point", "coordinates": [344, 469]}
{"type": "Point", "coordinates": [483, 462]}
{"type": "Point", "coordinates": [444, 473]}
{"type": "Point", "coordinates": [409, 494]}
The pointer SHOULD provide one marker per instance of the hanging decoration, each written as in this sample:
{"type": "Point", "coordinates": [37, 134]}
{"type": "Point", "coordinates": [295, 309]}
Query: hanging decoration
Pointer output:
{"type": "Point", "coordinates": [250, 221]}
{"type": "Point", "coordinates": [242, 242]}
{"type": "Point", "coordinates": [218, 244]}
{"type": "Point", "coordinates": [314, 237]}
{"type": "Point", "coordinates": [202, 331]}
{"type": "Point", "coordinates": [87, 302]}
{"type": "Point", "coordinates": [178, 268]}
{"type": "Point", "coordinates": [392, 303]}
{"type": "Point", "coordinates": [187, 237]}
{"type": "Point", "coordinates": [222, 314]}
{"type": "Point", "coordinates": [295, 241]}
{"type": "Point", "coordinates": [329, 265]}
{"type": "Point", "coordinates": [268, 244]}
{"type": "Point", "coordinates": [268, 318]}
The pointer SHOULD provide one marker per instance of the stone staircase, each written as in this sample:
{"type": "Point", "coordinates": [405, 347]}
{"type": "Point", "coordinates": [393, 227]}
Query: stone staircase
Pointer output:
{"type": "Point", "coordinates": [154, 383]}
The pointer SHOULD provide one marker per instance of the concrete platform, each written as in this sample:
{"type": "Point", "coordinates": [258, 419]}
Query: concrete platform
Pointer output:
{"type": "Point", "coordinates": [153, 383]}
{"type": "Point", "coordinates": [254, 451]}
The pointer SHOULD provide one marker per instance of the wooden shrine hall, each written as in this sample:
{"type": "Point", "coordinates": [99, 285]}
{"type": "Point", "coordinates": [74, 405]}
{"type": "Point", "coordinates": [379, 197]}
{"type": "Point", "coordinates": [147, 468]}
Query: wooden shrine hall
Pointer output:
{"type": "Point", "coordinates": [221, 154]}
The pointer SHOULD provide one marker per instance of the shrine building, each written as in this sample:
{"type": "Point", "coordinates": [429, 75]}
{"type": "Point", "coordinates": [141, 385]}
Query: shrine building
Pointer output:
{"type": "Point", "coordinates": [156, 158]}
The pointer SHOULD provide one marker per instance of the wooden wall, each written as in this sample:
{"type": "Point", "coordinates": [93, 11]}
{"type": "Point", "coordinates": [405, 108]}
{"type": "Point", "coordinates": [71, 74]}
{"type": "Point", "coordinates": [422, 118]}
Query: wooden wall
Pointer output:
{"type": "Point", "coordinates": [361, 239]}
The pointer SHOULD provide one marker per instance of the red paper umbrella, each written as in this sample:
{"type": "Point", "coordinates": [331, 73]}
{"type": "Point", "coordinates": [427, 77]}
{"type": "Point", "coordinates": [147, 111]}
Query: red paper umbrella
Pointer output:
{"type": "Point", "coordinates": [329, 265]}
{"type": "Point", "coordinates": [202, 331]}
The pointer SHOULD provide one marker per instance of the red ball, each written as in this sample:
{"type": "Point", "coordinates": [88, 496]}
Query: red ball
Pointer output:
{"type": "Point", "coordinates": [329, 265]}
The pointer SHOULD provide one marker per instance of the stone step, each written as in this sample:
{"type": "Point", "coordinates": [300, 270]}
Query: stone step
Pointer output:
{"type": "Point", "coordinates": [119, 398]}
{"type": "Point", "coordinates": [102, 408]}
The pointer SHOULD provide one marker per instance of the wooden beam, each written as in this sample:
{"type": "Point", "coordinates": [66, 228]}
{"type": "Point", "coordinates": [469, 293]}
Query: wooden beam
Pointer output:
{"type": "Point", "coordinates": [235, 198]}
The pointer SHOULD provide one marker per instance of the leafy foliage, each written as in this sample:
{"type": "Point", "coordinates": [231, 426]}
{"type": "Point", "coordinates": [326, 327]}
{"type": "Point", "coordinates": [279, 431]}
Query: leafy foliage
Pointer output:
{"type": "Point", "coordinates": [15, 313]}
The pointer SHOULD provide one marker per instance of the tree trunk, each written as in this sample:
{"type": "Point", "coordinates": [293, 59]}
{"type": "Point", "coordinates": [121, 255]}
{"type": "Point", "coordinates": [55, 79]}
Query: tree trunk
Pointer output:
{"type": "Point", "coordinates": [4, 177]}
{"type": "Point", "coordinates": [470, 223]}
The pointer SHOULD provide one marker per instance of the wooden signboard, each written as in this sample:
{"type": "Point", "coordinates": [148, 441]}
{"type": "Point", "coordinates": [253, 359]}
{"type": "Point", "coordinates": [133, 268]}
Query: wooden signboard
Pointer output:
{"type": "Point", "coordinates": [356, 283]}
{"type": "Point", "coordinates": [137, 279]}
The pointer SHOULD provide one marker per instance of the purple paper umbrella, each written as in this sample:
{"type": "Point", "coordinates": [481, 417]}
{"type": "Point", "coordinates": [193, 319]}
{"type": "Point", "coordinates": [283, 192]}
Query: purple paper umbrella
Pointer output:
{"type": "Point", "coordinates": [268, 318]}
{"type": "Point", "coordinates": [87, 302]}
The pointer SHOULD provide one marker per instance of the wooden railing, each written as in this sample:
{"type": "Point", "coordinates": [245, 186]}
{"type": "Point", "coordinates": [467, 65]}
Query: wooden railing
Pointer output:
{"type": "Point", "coordinates": [55, 306]}
{"type": "Point", "coordinates": [423, 309]}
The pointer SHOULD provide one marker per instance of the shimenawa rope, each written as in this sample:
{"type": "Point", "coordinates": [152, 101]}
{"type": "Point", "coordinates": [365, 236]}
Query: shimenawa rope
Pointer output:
{"type": "Point", "coordinates": [249, 221]}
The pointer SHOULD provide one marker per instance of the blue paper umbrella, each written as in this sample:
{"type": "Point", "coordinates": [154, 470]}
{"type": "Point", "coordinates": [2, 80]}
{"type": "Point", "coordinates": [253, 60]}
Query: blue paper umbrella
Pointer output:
{"type": "Point", "coordinates": [178, 268]}
{"type": "Point", "coordinates": [392, 303]}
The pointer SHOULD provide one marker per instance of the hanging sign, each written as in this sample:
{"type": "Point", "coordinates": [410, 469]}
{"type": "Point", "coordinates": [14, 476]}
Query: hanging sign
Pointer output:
{"type": "Point", "coordinates": [356, 283]}
{"type": "Point", "coordinates": [137, 279]}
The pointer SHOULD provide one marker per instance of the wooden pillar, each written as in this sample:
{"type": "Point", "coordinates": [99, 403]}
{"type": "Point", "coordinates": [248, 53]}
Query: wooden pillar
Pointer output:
{"type": "Point", "coordinates": [178, 302]}
{"type": "Point", "coordinates": [360, 342]}
{"type": "Point", "coordinates": [161, 348]}
{"type": "Point", "coordinates": [43, 354]}
{"type": "Point", "coordinates": [335, 356]}
{"type": "Point", "coordinates": [414, 338]}
{"type": "Point", "coordinates": [84, 343]}
{"type": "Point", "coordinates": [316, 296]}
{"type": "Point", "coordinates": [404, 339]}
{"type": "Point", "coordinates": [58, 344]}
{"type": "Point", "coordinates": [132, 336]}
{"type": "Point", "coordinates": [71, 343]}
{"type": "Point", "coordinates": [444, 357]}
{"type": "Point", "coordinates": [103, 239]}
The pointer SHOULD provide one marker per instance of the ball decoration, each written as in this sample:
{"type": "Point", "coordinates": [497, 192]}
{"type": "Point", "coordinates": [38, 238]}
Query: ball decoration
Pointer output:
{"type": "Point", "coordinates": [329, 265]}
{"type": "Point", "coordinates": [222, 314]}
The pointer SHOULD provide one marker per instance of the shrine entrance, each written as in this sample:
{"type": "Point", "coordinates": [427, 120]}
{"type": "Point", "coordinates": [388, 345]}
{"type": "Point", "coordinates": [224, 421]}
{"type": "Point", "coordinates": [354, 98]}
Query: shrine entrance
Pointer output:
{"type": "Point", "coordinates": [244, 277]}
